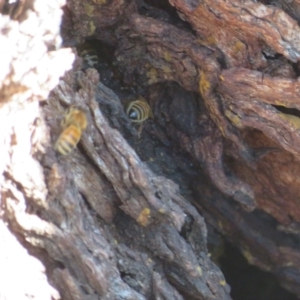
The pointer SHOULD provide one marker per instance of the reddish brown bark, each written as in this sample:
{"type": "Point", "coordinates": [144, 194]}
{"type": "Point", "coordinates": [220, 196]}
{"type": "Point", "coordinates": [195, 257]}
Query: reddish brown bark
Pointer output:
{"type": "Point", "coordinates": [119, 218]}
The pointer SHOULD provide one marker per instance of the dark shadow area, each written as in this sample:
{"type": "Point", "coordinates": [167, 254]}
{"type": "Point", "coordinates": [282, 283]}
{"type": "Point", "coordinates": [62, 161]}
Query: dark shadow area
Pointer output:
{"type": "Point", "coordinates": [290, 111]}
{"type": "Point", "coordinates": [248, 282]}
{"type": "Point", "coordinates": [164, 11]}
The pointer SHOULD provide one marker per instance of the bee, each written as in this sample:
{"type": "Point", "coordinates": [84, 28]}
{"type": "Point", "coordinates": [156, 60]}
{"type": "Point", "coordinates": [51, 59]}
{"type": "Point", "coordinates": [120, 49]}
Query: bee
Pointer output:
{"type": "Point", "coordinates": [139, 110]}
{"type": "Point", "coordinates": [73, 124]}
{"type": "Point", "coordinates": [89, 55]}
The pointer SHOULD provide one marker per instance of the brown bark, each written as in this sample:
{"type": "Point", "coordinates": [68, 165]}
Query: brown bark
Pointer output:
{"type": "Point", "coordinates": [119, 218]}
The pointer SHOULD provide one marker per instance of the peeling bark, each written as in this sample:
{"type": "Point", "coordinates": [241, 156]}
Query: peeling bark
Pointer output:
{"type": "Point", "coordinates": [121, 217]}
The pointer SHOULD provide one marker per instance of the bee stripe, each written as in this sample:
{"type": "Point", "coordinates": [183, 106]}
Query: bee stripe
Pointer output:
{"type": "Point", "coordinates": [68, 140]}
{"type": "Point", "coordinates": [64, 148]}
{"type": "Point", "coordinates": [138, 111]}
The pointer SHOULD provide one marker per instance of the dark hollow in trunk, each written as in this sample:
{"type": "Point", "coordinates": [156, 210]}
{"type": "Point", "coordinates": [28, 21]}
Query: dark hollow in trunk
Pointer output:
{"type": "Point", "coordinates": [125, 214]}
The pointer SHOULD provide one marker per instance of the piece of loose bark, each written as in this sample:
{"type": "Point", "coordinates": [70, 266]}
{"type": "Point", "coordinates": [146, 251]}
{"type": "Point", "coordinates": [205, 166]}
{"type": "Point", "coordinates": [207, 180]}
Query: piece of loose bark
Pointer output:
{"type": "Point", "coordinates": [103, 222]}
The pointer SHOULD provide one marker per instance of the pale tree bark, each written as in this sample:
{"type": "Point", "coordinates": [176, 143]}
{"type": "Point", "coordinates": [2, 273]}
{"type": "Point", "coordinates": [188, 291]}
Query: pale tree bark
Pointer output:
{"type": "Point", "coordinates": [121, 217]}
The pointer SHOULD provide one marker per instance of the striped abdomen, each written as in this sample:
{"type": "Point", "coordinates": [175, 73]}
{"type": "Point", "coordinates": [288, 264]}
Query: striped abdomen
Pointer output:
{"type": "Point", "coordinates": [138, 111]}
{"type": "Point", "coordinates": [68, 139]}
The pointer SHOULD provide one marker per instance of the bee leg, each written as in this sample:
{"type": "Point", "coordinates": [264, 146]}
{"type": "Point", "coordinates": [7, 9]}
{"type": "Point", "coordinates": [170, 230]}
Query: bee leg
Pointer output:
{"type": "Point", "coordinates": [140, 130]}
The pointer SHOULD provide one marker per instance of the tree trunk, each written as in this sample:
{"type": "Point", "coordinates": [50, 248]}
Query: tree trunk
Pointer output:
{"type": "Point", "coordinates": [122, 215]}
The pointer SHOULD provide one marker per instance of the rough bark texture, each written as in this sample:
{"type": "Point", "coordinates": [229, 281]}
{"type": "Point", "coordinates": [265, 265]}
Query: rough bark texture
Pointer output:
{"type": "Point", "coordinates": [121, 217]}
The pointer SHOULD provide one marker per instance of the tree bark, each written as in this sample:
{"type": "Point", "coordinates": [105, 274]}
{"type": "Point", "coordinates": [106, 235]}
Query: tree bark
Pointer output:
{"type": "Point", "coordinates": [122, 216]}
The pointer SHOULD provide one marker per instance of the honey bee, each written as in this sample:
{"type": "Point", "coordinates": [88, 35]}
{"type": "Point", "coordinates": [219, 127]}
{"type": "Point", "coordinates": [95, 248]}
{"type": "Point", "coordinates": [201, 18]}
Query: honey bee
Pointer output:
{"type": "Point", "coordinates": [89, 55]}
{"type": "Point", "coordinates": [139, 110]}
{"type": "Point", "coordinates": [73, 124]}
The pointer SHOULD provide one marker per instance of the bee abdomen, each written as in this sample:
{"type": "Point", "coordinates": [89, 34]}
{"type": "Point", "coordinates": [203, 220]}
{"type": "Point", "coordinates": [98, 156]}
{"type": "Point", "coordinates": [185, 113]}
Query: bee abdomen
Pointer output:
{"type": "Point", "coordinates": [68, 140]}
{"type": "Point", "coordinates": [138, 111]}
